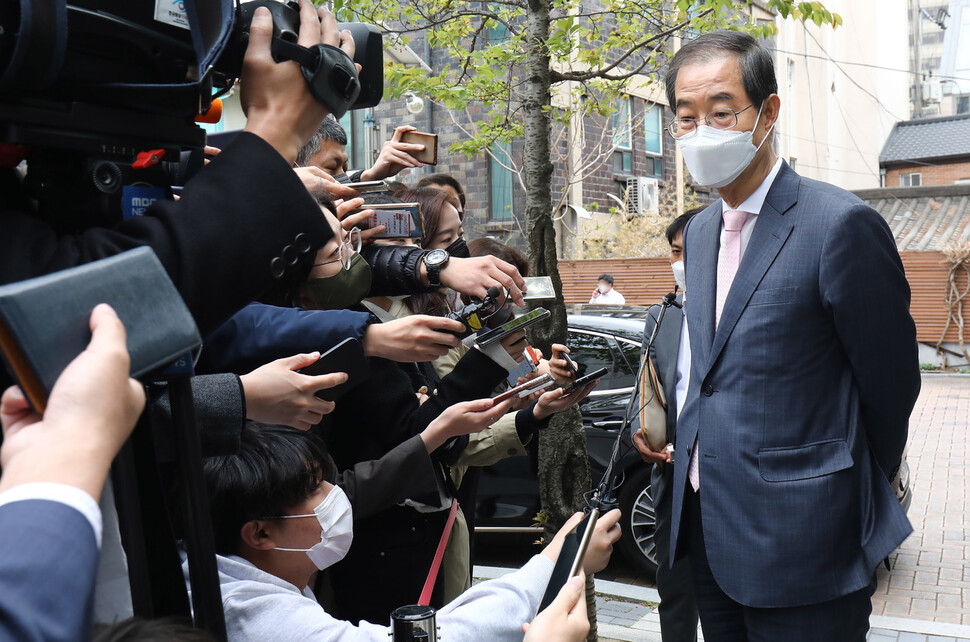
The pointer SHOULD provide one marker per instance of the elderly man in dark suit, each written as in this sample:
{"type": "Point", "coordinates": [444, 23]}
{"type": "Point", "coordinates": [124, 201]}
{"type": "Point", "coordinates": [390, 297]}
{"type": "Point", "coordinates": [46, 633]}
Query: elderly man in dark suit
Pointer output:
{"type": "Point", "coordinates": [804, 371]}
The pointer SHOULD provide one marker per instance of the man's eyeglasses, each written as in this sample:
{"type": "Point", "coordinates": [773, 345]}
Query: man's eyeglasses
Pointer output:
{"type": "Point", "coordinates": [718, 119]}
{"type": "Point", "coordinates": [350, 245]}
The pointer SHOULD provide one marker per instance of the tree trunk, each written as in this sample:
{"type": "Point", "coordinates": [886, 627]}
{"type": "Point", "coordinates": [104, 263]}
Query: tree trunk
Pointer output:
{"type": "Point", "coordinates": [563, 466]}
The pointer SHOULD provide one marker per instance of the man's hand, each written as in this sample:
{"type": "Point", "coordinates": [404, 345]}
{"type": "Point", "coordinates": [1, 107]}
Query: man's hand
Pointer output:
{"type": "Point", "coordinates": [349, 221]}
{"type": "Point", "coordinates": [605, 535]}
{"type": "Point", "coordinates": [414, 338]}
{"type": "Point", "coordinates": [476, 275]}
{"type": "Point", "coordinates": [558, 400]}
{"type": "Point", "coordinates": [558, 366]}
{"type": "Point", "coordinates": [564, 620]}
{"type": "Point", "coordinates": [463, 419]}
{"type": "Point", "coordinates": [596, 293]}
{"type": "Point", "coordinates": [90, 413]}
{"type": "Point", "coordinates": [318, 183]}
{"type": "Point", "coordinates": [276, 394]}
{"type": "Point", "coordinates": [275, 98]}
{"type": "Point", "coordinates": [395, 157]}
{"type": "Point", "coordinates": [648, 454]}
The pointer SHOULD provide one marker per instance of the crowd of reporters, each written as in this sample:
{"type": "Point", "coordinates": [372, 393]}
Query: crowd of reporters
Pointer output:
{"type": "Point", "coordinates": [327, 514]}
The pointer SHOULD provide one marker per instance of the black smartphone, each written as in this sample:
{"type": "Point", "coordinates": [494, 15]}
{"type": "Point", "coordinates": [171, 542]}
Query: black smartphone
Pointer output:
{"type": "Point", "coordinates": [369, 187]}
{"type": "Point", "coordinates": [518, 323]}
{"type": "Point", "coordinates": [570, 558]}
{"type": "Point", "coordinates": [587, 378]}
{"type": "Point", "coordinates": [571, 364]}
{"type": "Point", "coordinates": [347, 356]}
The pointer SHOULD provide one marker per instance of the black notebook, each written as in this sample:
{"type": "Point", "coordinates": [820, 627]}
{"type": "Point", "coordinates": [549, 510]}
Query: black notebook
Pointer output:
{"type": "Point", "coordinates": [44, 321]}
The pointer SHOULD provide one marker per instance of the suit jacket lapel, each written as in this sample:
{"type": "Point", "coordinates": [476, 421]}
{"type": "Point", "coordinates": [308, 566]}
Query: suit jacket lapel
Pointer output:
{"type": "Point", "coordinates": [701, 248]}
{"type": "Point", "coordinates": [770, 233]}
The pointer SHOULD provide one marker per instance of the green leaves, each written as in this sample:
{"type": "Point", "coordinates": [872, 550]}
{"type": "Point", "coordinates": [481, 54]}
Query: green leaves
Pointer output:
{"type": "Point", "coordinates": [609, 43]}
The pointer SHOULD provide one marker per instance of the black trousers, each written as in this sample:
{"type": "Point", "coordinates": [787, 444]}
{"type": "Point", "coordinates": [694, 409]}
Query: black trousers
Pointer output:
{"type": "Point", "coordinates": [678, 607]}
{"type": "Point", "coordinates": [723, 620]}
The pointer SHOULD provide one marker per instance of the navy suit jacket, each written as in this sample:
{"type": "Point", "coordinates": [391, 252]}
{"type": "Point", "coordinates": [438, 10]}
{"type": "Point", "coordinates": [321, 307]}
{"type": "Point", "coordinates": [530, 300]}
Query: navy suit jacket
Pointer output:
{"type": "Point", "coordinates": [800, 399]}
{"type": "Point", "coordinates": [48, 563]}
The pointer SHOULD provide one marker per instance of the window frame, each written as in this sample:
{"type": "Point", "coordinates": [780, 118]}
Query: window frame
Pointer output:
{"type": "Point", "coordinates": [908, 176]}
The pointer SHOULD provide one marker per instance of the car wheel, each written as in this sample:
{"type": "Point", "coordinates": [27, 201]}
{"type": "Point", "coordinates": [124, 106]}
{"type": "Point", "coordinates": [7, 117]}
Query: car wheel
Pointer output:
{"type": "Point", "coordinates": [638, 522]}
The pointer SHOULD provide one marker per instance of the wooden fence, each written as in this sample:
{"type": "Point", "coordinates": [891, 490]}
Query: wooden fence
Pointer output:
{"type": "Point", "coordinates": [645, 281]}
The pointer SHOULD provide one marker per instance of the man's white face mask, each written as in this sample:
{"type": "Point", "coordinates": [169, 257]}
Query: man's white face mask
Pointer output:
{"type": "Point", "coordinates": [336, 518]}
{"type": "Point", "coordinates": [679, 275]}
{"type": "Point", "coordinates": [715, 157]}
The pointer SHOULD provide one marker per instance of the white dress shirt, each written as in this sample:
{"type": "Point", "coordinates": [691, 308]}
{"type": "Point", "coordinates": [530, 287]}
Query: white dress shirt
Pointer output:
{"type": "Point", "coordinates": [610, 298]}
{"type": "Point", "coordinates": [683, 362]}
{"type": "Point", "coordinates": [752, 205]}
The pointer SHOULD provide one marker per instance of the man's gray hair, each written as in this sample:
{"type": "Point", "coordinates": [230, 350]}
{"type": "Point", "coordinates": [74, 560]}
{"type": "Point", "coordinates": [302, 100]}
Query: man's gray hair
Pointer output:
{"type": "Point", "coordinates": [330, 131]}
{"type": "Point", "coordinates": [757, 67]}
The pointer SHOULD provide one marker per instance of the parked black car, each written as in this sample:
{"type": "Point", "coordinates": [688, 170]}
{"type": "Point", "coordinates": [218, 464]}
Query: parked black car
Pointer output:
{"type": "Point", "coordinates": [610, 337]}
{"type": "Point", "coordinates": [508, 495]}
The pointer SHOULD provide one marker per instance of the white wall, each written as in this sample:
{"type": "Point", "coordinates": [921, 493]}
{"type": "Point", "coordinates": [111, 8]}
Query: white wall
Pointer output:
{"type": "Point", "coordinates": [836, 117]}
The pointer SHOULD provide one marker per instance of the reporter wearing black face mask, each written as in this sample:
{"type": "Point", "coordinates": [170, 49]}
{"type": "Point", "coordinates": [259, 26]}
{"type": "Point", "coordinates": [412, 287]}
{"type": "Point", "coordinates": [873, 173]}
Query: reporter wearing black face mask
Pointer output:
{"type": "Point", "coordinates": [392, 551]}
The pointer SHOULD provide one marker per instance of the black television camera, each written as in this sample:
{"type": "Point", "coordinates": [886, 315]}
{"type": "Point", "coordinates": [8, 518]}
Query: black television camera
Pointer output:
{"type": "Point", "coordinates": [103, 94]}
{"type": "Point", "coordinates": [482, 313]}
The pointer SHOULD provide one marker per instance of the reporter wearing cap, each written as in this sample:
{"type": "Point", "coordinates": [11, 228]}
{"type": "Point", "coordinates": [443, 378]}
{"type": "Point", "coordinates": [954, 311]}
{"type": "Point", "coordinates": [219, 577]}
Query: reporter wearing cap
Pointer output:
{"type": "Point", "coordinates": [804, 370]}
{"type": "Point", "coordinates": [605, 294]}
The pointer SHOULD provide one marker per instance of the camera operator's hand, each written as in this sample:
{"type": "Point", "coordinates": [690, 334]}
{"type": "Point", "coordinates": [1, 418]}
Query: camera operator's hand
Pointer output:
{"type": "Point", "coordinates": [476, 275]}
{"type": "Point", "coordinates": [558, 366]}
{"type": "Point", "coordinates": [277, 394]}
{"type": "Point", "coordinates": [565, 620]}
{"type": "Point", "coordinates": [395, 157]}
{"type": "Point", "coordinates": [648, 454]}
{"type": "Point", "coordinates": [275, 98]}
{"type": "Point", "coordinates": [318, 182]}
{"type": "Point", "coordinates": [463, 419]}
{"type": "Point", "coordinates": [349, 221]}
{"type": "Point", "coordinates": [90, 413]}
{"type": "Point", "coordinates": [557, 400]}
{"type": "Point", "coordinates": [415, 338]}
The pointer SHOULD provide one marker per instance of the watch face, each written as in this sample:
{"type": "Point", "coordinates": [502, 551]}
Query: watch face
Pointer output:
{"type": "Point", "coordinates": [436, 257]}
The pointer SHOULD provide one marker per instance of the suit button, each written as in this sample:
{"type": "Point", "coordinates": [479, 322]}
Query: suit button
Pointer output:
{"type": "Point", "coordinates": [290, 255]}
{"type": "Point", "coordinates": [277, 268]}
{"type": "Point", "coordinates": [302, 243]}
{"type": "Point", "coordinates": [708, 390]}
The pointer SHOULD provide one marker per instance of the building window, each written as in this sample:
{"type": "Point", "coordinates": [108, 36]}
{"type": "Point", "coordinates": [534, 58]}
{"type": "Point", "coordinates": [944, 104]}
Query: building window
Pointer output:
{"type": "Point", "coordinates": [501, 184]}
{"type": "Point", "coordinates": [653, 137]}
{"type": "Point", "coordinates": [623, 136]}
{"type": "Point", "coordinates": [963, 105]}
{"type": "Point", "coordinates": [353, 124]}
{"type": "Point", "coordinates": [913, 179]}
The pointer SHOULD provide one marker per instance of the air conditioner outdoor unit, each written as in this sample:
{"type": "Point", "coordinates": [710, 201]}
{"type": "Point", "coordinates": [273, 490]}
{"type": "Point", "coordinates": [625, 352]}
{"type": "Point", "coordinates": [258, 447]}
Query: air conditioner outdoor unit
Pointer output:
{"type": "Point", "coordinates": [641, 195]}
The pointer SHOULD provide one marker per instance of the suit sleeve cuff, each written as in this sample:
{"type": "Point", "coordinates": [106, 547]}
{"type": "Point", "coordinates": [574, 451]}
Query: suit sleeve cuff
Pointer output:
{"type": "Point", "coordinates": [61, 493]}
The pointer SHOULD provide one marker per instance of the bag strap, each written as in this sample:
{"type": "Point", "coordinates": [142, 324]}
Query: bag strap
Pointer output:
{"type": "Point", "coordinates": [425, 599]}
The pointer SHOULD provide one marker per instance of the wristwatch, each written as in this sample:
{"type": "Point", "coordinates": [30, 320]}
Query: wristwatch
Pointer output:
{"type": "Point", "coordinates": [434, 261]}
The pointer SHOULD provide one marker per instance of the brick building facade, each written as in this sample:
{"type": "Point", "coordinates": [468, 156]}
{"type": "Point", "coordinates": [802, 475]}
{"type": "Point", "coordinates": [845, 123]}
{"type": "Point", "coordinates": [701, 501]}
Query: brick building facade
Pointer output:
{"type": "Point", "coordinates": [928, 151]}
{"type": "Point", "coordinates": [495, 199]}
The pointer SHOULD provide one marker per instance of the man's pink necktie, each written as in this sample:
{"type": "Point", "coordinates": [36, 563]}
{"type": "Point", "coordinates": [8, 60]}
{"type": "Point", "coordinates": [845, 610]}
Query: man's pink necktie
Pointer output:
{"type": "Point", "coordinates": [728, 259]}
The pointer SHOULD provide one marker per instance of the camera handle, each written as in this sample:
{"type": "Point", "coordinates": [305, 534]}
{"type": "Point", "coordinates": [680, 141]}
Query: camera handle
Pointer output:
{"type": "Point", "coordinates": [329, 72]}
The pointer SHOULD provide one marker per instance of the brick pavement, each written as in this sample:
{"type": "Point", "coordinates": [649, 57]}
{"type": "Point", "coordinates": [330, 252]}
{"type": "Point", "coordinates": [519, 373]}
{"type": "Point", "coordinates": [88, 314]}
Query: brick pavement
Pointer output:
{"type": "Point", "coordinates": [930, 579]}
